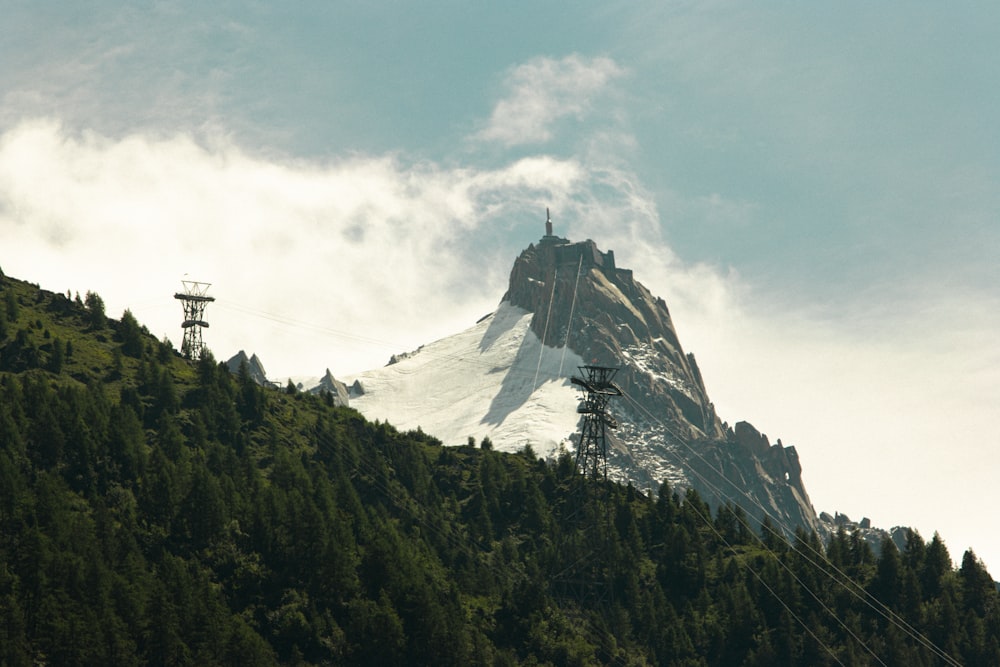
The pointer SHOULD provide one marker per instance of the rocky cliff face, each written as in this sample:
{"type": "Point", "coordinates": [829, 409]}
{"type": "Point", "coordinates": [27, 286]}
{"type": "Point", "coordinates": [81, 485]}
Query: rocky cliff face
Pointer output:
{"type": "Point", "coordinates": [668, 426]}
{"type": "Point", "coordinates": [337, 389]}
{"type": "Point", "coordinates": [616, 321]}
{"type": "Point", "coordinates": [254, 366]}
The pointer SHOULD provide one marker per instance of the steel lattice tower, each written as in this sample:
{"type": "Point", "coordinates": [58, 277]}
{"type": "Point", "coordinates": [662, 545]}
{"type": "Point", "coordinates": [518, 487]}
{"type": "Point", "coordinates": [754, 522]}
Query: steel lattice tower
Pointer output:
{"type": "Point", "coordinates": [598, 388]}
{"type": "Point", "coordinates": [194, 299]}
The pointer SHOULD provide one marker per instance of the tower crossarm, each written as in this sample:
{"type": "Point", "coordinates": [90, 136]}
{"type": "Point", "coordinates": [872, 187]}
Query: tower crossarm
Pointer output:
{"type": "Point", "coordinates": [193, 297]}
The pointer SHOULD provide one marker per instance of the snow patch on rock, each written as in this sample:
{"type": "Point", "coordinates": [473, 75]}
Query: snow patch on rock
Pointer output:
{"type": "Point", "coordinates": [521, 393]}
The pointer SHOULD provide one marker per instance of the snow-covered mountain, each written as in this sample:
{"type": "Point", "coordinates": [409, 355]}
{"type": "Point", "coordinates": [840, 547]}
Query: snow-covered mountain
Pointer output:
{"type": "Point", "coordinates": [479, 383]}
{"type": "Point", "coordinates": [508, 378]}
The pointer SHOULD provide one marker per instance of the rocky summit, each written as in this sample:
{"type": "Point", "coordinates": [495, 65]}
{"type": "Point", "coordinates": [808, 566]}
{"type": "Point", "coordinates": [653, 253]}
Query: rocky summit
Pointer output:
{"type": "Point", "coordinates": [668, 427]}
{"type": "Point", "coordinates": [254, 367]}
{"type": "Point", "coordinates": [509, 378]}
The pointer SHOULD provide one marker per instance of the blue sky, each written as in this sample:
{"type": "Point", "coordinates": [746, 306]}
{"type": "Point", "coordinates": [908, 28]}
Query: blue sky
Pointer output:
{"type": "Point", "coordinates": [815, 191]}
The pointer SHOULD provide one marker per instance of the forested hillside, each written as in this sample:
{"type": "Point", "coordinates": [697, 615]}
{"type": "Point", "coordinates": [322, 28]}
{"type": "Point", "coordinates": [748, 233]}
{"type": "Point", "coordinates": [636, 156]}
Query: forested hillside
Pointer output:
{"type": "Point", "coordinates": [159, 511]}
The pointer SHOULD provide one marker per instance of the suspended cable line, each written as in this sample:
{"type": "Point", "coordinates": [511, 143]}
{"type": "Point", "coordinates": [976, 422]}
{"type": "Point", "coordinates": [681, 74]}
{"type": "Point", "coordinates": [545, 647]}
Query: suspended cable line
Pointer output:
{"type": "Point", "coordinates": [784, 566]}
{"type": "Point", "coordinates": [545, 330]}
{"type": "Point", "coordinates": [708, 522]}
{"type": "Point", "coordinates": [844, 580]}
{"type": "Point", "coordinates": [572, 307]}
{"type": "Point", "coordinates": [301, 324]}
{"type": "Point", "coordinates": [381, 343]}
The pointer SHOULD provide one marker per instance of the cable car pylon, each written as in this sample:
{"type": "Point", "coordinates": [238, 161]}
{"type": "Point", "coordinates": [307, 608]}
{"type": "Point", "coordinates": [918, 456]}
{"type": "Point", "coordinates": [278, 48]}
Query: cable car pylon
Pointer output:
{"type": "Point", "coordinates": [194, 299]}
{"type": "Point", "coordinates": [598, 388]}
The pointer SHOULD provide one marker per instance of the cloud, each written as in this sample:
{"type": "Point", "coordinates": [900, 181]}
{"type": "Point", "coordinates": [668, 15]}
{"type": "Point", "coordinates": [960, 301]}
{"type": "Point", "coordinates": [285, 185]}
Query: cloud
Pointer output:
{"type": "Point", "coordinates": [891, 405]}
{"type": "Point", "coordinates": [543, 91]}
{"type": "Point", "coordinates": [335, 263]}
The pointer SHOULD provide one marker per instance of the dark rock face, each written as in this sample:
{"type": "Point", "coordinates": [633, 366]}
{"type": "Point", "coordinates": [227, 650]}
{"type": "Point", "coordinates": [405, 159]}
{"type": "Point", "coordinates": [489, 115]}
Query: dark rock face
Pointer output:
{"type": "Point", "coordinates": [873, 536]}
{"type": "Point", "coordinates": [669, 428]}
{"type": "Point", "coordinates": [254, 365]}
{"type": "Point", "coordinates": [746, 466]}
{"type": "Point", "coordinates": [334, 386]}
{"type": "Point", "coordinates": [257, 374]}
{"type": "Point", "coordinates": [612, 320]}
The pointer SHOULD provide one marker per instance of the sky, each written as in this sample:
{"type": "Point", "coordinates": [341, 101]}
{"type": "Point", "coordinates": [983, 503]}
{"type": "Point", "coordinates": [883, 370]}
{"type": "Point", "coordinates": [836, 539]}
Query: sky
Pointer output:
{"type": "Point", "coordinates": [814, 190]}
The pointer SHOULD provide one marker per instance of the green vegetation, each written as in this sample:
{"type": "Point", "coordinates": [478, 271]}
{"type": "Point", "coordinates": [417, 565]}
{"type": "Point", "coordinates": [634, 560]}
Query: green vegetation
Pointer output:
{"type": "Point", "coordinates": [156, 511]}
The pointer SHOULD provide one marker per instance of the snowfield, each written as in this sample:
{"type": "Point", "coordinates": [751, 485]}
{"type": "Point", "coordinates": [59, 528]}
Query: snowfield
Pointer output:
{"type": "Point", "coordinates": [496, 379]}
{"type": "Point", "coordinates": [520, 391]}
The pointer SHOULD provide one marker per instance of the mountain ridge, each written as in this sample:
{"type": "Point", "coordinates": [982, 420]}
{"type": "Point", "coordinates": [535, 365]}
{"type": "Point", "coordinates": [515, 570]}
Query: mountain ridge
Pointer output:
{"type": "Point", "coordinates": [568, 304]}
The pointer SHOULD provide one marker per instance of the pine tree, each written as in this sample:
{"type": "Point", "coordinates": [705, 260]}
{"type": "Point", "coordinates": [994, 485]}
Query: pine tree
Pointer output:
{"type": "Point", "coordinates": [937, 563]}
{"type": "Point", "coordinates": [978, 589]}
{"type": "Point", "coordinates": [11, 306]}
{"type": "Point", "coordinates": [56, 357]}
{"type": "Point", "coordinates": [95, 310]}
{"type": "Point", "coordinates": [130, 334]}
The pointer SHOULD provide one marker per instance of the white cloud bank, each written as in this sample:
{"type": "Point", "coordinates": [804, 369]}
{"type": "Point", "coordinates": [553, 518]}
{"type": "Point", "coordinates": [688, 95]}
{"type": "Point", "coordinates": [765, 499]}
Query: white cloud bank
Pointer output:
{"type": "Point", "coordinates": [336, 264]}
{"type": "Point", "coordinates": [543, 91]}
{"type": "Point", "coordinates": [892, 410]}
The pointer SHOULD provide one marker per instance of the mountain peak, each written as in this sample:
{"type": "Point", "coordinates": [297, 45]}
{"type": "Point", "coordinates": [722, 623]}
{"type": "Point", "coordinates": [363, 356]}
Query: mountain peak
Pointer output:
{"type": "Point", "coordinates": [507, 377]}
{"type": "Point", "coordinates": [581, 299]}
{"type": "Point", "coordinates": [254, 366]}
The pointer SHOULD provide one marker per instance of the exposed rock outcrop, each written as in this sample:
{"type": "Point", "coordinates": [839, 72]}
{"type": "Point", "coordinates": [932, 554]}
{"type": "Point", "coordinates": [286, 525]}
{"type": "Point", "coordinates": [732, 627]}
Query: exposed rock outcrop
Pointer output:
{"type": "Point", "coordinates": [341, 395]}
{"type": "Point", "coordinates": [602, 313]}
{"type": "Point", "coordinates": [356, 389]}
{"type": "Point", "coordinates": [254, 366]}
{"type": "Point", "coordinates": [669, 428]}
{"type": "Point", "coordinates": [828, 525]}
{"type": "Point", "coordinates": [574, 297]}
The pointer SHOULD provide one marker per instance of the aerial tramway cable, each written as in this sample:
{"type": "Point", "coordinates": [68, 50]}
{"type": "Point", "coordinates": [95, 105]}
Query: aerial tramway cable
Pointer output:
{"type": "Point", "coordinates": [572, 307]}
{"type": "Point", "coordinates": [846, 582]}
{"type": "Point", "coordinates": [545, 331]}
{"type": "Point", "coordinates": [774, 593]}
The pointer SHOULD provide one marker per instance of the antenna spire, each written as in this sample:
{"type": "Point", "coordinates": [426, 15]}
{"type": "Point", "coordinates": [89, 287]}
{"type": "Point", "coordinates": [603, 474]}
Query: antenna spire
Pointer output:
{"type": "Point", "coordinates": [548, 222]}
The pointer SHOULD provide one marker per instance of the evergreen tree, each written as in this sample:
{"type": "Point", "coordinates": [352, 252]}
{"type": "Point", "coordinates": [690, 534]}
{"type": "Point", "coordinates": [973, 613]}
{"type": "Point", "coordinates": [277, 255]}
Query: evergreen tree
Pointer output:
{"type": "Point", "coordinates": [130, 335]}
{"type": "Point", "coordinates": [11, 307]}
{"type": "Point", "coordinates": [978, 589]}
{"type": "Point", "coordinates": [95, 310]}
{"type": "Point", "coordinates": [56, 357]}
{"type": "Point", "coordinates": [887, 586]}
{"type": "Point", "coordinates": [937, 563]}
